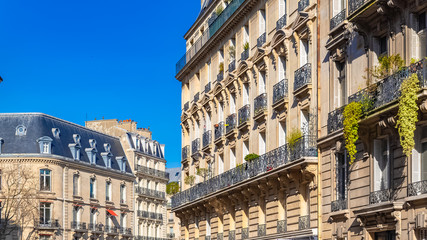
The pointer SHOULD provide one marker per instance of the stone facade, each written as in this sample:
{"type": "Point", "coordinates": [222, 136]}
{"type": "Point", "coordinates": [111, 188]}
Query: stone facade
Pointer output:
{"type": "Point", "coordinates": [174, 224]}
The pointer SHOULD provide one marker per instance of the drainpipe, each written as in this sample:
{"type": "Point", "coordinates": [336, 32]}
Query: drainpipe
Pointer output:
{"type": "Point", "coordinates": [319, 186]}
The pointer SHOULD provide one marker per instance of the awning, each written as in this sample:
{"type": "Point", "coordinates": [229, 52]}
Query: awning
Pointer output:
{"type": "Point", "coordinates": [111, 212]}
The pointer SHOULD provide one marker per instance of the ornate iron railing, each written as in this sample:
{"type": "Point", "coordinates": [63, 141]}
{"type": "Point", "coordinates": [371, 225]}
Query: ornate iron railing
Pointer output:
{"type": "Point", "coordinates": [303, 222]}
{"type": "Point", "coordinates": [417, 188]}
{"type": "Point", "coordinates": [261, 40]}
{"type": "Point", "coordinates": [125, 231]}
{"type": "Point", "coordinates": [281, 23]}
{"type": "Point", "coordinates": [219, 130]}
{"type": "Point", "coordinates": [196, 97]}
{"type": "Point", "coordinates": [337, 19]}
{"type": "Point", "coordinates": [388, 89]}
{"type": "Point", "coordinates": [230, 122]}
{"type": "Point", "coordinates": [245, 233]}
{"type": "Point", "coordinates": [261, 230]}
{"type": "Point", "coordinates": [214, 25]}
{"type": "Point", "coordinates": [111, 229]}
{"type": "Point", "coordinates": [207, 237]}
{"type": "Point", "coordinates": [232, 66]}
{"type": "Point", "coordinates": [356, 4]}
{"type": "Point", "coordinates": [281, 226]}
{"type": "Point", "coordinates": [302, 76]}
{"type": "Point", "coordinates": [185, 152]}
{"type": "Point", "coordinates": [149, 192]}
{"type": "Point", "coordinates": [96, 227]}
{"type": "Point", "coordinates": [195, 146]}
{"type": "Point", "coordinates": [171, 235]}
{"type": "Point", "coordinates": [152, 171]}
{"type": "Point", "coordinates": [380, 196]}
{"type": "Point", "coordinates": [208, 87]}
{"type": "Point", "coordinates": [186, 106]}
{"type": "Point", "coordinates": [335, 120]}
{"type": "Point", "coordinates": [302, 4]}
{"type": "Point", "coordinates": [304, 147]}
{"type": "Point", "coordinates": [78, 225]}
{"type": "Point", "coordinates": [280, 90]}
{"type": "Point", "coordinates": [151, 215]}
{"type": "Point", "coordinates": [220, 236]}
{"type": "Point", "coordinates": [339, 205]}
{"type": "Point", "coordinates": [232, 235]}
{"type": "Point", "coordinates": [244, 114]}
{"type": "Point", "coordinates": [51, 223]}
{"type": "Point", "coordinates": [220, 76]}
{"type": "Point", "coordinates": [244, 55]}
{"type": "Point", "coordinates": [260, 104]}
{"type": "Point", "coordinates": [207, 138]}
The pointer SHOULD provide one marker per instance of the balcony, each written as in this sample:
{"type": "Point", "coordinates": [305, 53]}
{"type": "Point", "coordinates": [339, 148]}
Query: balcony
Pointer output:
{"type": "Point", "coordinates": [150, 193]}
{"type": "Point", "coordinates": [260, 106]}
{"type": "Point", "coordinates": [281, 22]}
{"type": "Point", "coordinates": [48, 224]}
{"type": "Point", "coordinates": [337, 19]}
{"type": "Point", "coordinates": [303, 4]}
{"type": "Point", "coordinates": [112, 230]}
{"type": "Point", "coordinates": [171, 235]}
{"type": "Point", "coordinates": [186, 106]}
{"type": "Point", "coordinates": [417, 188]}
{"type": "Point", "coordinates": [219, 131]}
{"type": "Point", "coordinates": [207, 138]}
{"type": "Point", "coordinates": [152, 172]}
{"type": "Point", "coordinates": [245, 55]}
{"type": "Point", "coordinates": [281, 226]}
{"type": "Point", "coordinates": [302, 78]}
{"type": "Point", "coordinates": [280, 95]}
{"type": "Point", "coordinates": [208, 87]}
{"type": "Point", "coordinates": [78, 226]}
{"type": "Point", "coordinates": [380, 196]}
{"type": "Point", "coordinates": [96, 228]}
{"type": "Point", "coordinates": [338, 205]}
{"type": "Point", "coordinates": [244, 115]}
{"type": "Point", "coordinates": [195, 146]}
{"type": "Point", "coordinates": [185, 153]}
{"type": "Point", "coordinates": [196, 97]}
{"type": "Point", "coordinates": [358, 5]}
{"type": "Point", "coordinates": [232, 66]}
{"type": "Point", "coordinates": [245, 233]}
{"type": "Point", "coordinates": [214, 26]}
{"type": "Point", "coordinates": [232, 235]}
{"type": "Point", "coordinates": [220, 77]}
{"type": "Point", "coordinates": [230, 123]}
{"type": "Point", "coordinates": [335, 120]}
{"type": "Point", "coordinates": [261, 230]}
{"type": "Point", "coordinates": [207, 237]}
{"type": "Point", "coordinates": [126, 231]}
{"type": "Point", "coordinates": [303, 222]}
{"type": "Point", "coordinates": [261, 40]}
{"type": "Point", "coordinates": [305, 147]}
{"type": "Point", "coordinates": [220, 236]}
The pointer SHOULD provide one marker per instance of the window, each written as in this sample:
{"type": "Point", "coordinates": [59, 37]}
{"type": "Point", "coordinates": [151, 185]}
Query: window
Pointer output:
{"type": "Point", "coordinates": [92, 219]}
{"type": "Point", "coordinates": [419, 156]}
{"type": "Point", "coordinates": [45, 180]}
{"type": "Point", "coordinates": [282, 7]}
{"type": "Point", "coordinates": [341, 175]}
{"type": "Point", "coordinates": [422, 21]}
{"type": "Point", "coordinates": [338, 6]}
{"type": "Point", "coordinates": [45, 147]}
{"type": "Point", "coordinates": [282, 68]}
{"type": "Point", "coordinates": [381, 164]}
{"type": "Point", "coordinates": [123, 220]}
{"type": "Point", "coordinates": [122, 193]}
{"type": "Point", "coordinates": [304, 122]}
{"type": "Point", "coordinates": [45, 213]}
{"type": "Point", "coordinates": [233, 103]}
{"type": "Point", "coordinates": [261, 83]}
{"type": "Point", "coordinates": [220, 163]}
{"type": "Point", "coordinates": [423, 234]}
{"type": "Point", "coordinates": [108, 191]}
{"type": "Point", "coordinates": [245, 94]}
{"type": "Point", "coordinates": [341, 93]}
{"type": "Point", "coordinates": [21, 130]}
{"type": "Point", "coordinates": [45, 144]}
{"type": "Point", "coordinates": [303, 52]}
{"type": "Point", "coordinates": [232, 158]}
{"type": "Point", "coordinates": [208, 224]}
{"type": "Point", "coordinates": [383, 45]}
{"type": "Point", "coordinates": [245, 149]}
{"type": "Point", "coordinates": [282, 133]}
{"type": "Point", "coordinates": [262, 22]}
{"type": "Point", "coordinates": [422, 35]}
{"type": "Point", "coordinates": [211, 169]}
{"type": "Point", "coordinates": [261, 143]}
{"type": "Point", "coordinates": [76, 179]}
{"type": "Point", "coordinates": [76, 214]}
{"type": "Point", "coordinates": [92, 188]}
{"type": "Point", "coordinates": [44, 237]}
{"type": "Point", "coordinates": [387, 235]}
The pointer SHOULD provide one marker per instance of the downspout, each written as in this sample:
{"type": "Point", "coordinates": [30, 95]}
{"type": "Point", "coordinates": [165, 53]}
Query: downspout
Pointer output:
{"type": "Point", "coordinates": [319, 187]}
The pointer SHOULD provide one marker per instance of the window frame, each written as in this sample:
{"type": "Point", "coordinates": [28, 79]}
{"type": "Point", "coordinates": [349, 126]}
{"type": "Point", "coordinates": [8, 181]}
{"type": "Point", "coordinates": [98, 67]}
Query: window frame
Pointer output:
{"type": "Point", "coordinates": [44, 179]}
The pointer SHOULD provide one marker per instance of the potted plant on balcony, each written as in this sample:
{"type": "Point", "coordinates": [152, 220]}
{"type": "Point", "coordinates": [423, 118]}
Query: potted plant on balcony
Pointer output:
{"type": "Point", "coordinates": [221, 67]}
{"type": "Point", "coordinates": [251, 156]}
{"type": "Point", "coordinates": [202, 172]}
{"type": "Point", "coordinates": [293, 138]}
{"type": "Point", "coordinates": [189, 180]}
{"type": "Point", "coordinates": [172, 188]}
{"type": "Point", "coordinates": [246, 46]}
{"type": "Point", "coordinates": [219, 10]}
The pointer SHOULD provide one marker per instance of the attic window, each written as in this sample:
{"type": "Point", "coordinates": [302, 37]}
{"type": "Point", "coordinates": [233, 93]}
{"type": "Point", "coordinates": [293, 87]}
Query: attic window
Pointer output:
{"type": "Point", "coordinates": [56, 132]}
{"type": "Point", "coordinates": [122, 163]}
{"type": "Point", "coordinates": [1, 144]}
{"type": "Point", "coordinates": [21, 130]}
{"type": "Point", "coordinates": [45, 145]}
{"type": "Point", "coordinates": [75, 147]}
{"type": "Point", "coordinates": [107, 155]}
{"type": "Point", "coordinates": [91, 152]}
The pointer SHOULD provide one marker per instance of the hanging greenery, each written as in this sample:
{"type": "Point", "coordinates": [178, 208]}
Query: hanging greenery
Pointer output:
{"type": "Point", "coordinates": [387, 65]}
{"type": "Point", "coordinates": [202, 172]}
{"type": "Point", "coordinates": [189, 180]}
{"type": "Point", "coordinates": [221, 67]}
{"type": "Point", "coordinates": [408, 113]}
{"type": "Point", "coordinates": [251, 156]}
{"type": "Point", "coordinates": [172, 188]}
{"type": "Point", "coordinates": [293, 137]}
{"type": "Point", "coordinates": [352, 114]}
{"type": "Point", "coordinates": [246, 46]}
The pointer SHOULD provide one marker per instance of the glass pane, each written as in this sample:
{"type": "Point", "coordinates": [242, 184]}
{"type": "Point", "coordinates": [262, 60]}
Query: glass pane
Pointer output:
{"type": "Point", "coordinates": [424, 162]}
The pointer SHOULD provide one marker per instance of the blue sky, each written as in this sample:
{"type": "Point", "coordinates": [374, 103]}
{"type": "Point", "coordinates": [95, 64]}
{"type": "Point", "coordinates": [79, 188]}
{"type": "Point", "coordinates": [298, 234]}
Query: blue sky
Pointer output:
{"type": "Point", "coordinates": [87, 59]}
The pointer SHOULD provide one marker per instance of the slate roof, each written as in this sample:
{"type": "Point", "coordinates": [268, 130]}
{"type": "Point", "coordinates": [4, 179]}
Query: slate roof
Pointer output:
{"type": "Point", "coordinates": [39, 125]}
{"type": "Point", "coordinates": [174, 174]}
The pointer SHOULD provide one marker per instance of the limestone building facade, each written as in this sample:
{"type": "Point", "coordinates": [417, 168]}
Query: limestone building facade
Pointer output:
{"type": "Point", "coordinates": [249, 86]}
{"type": "Point", "coordinates": [83, 179]}
{"type": "Point", "coordinates": [147, 160]}
{"type": "Point", "coordinates": [174, 223]}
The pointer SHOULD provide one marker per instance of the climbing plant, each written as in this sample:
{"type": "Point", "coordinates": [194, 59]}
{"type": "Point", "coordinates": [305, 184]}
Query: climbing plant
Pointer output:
{"type": "Point", "coordinates": [172, 188]}
{"type": "Point", "coordinates": [408, 113]}
{"type": "Point", "coordinates": [352, 114]}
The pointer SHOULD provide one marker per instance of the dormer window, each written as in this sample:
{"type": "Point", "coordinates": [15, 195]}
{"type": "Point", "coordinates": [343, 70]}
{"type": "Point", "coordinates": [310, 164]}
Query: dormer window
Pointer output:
{"type": "Point", "coordinates": [75, 147]}
{"type": "Point", "coordinates": [122, 163]}
{"type": "Point", "coordinates": [21, 130]}
{"type": "Point", "coordinates": [91, 152]}
{"type": "Point", "coordinates": [45, 144]}
{"type": "Point", "coordinates": [1, 143]}
{"type": "Point", "coordinates": [107, 155]}
{"type": "Point", "coordinates": [56, 132]}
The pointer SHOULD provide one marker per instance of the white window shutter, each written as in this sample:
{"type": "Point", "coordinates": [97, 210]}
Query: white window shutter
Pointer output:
{"type": "Point", "coordinates": [282, 68]}
{"type": "Point", "coordinates": [303, 52]}
{"type": "Point", "coordinates": [377, 159]}
{"type": "Point", "coordinates": [416, 157]}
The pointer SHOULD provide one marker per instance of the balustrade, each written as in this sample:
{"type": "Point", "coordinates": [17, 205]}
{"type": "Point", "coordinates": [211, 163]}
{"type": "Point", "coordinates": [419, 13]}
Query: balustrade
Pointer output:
{"type": "Point", "coordinates": [380, 196]}
{"type": "Point", "coordinates": [280, 91]}
{"type": "Point", "coordinates": [186, 106]}
{"type": "Point", "coordinates": [151, 171]}
{"type": "Point", "coordinates": [196, 97]}
{"type": "Point", "coordinates": [47, 224]}
{"type": "Point", "coordinates": [417, 188]}
{"type": "Point", "coordinates": [335, 120]}
{"type": "Point", "coordinates": [220, 76]}
{"type": "Point", "coordinates": [244, 55]}
{"type": "Point", "coordinates": [195, 146]}
{"type": "Point", "coordinates": [230, 123]}
{"type": "Point", "coordinates": [232, 235]}
{"type": "Point", "coordinates": [244, 114]}
{"type": "Point", "coordinates": [302, 4]}
{"type": "Point", "coordinates": [185, 152]}
{"type": "Point", "coordinates": [207, 138]}
{"type": "Point", "coordinates": [260, 104]}
{"type": "Point", "coordinates": [302, 76]}
{"type": "Point", "coordinates": [261, 40]}
{"type": "Point", "coordinates": [245, 233]}
{"type": "Point", "coordinates": [232, 66]}
{"type": "Point", "coordinates": [356, 4]}
{"type": "Point", "coordinates": [281, 226]}
{"type": "Point", "coordinates": [261, 230]}
{"type": "Point", "coordinates": [219, 130]}
{"type": "Point", "coordinates": [337, 19]}
{"type": "Point", "coordinates": [281, 23]}
{"type": "Point", "coordinates": [208, 87]}
{"type": "Point", "coordinates": [303, 222]}
{"type": "Point", "coordinates": [78, 225]}
{"type": "Point", "coordinates": [149, 192]}
{"type": "Point", "coordinates": [339, 205]}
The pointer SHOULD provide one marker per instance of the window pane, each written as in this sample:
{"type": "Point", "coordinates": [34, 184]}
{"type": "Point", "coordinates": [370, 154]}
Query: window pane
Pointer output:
{"type": "Point", "coordinates": [424, 162]}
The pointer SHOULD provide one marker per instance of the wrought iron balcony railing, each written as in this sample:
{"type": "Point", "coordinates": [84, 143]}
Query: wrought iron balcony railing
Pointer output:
{"type": "Point", "coordinates": [208, 87]}
{"type": "Point", "coordinates": [185, 152]}
{"type": "Point", "coordinates": [261, 40]}
{"type": "Point", "coordinates": [339, 205]}
{"type": "Point", "coordinates": [388, 89]}
{"type": "Point", "coordinates": [337, 19]}
{"type": "Point", "coordinates": [196, 97]}
{"type": "Point", "coordinates": [232, 235]}
{"type": "Point", "coordinates": [195, 146]}
{"type": "Point", "coordinates": [207, 138]}
{"type": "Point", "coordinates": [244, 55]}
{"type": "Point", "coordinates": [220, 77]}
{"type": "Point", "coordinates": [260, 104]}
{"type": "Point", "coordinates": [78, 225]}
{"type": "Point", "coordinates": [214, 25]}
{"type": "Point", "coordinates": [280, 90]}
{"type": "Point", "coordinates": [111, 229]}
{"type": "Point", "coordinates": [281, 226]}
{"type": "Point", "coordinates": [96, 227]}
{"type": "Point", "coordinates": [356, 4]}
{"type": "Point", "coordinates": [230, 122]}
{"type": "Point", "coordinates": [261, 230]}
{"type": "Point", "coordinates": [303, 222]}
{"type": "Point", "coordinates": [302, 76]}
{"type": "Point", "coordinates": [125, 231]}
{"type": "Point", "coordinates": [208, 237]}
{"type": "Point", "coordinates": [304, 147]}
{"type": "Point", "coordinates": [48, 223]}
{"type": "Point", "coordinates": [380, 196]}
{"type": "Point", "coordinates": [149, 192]}
{"type": "Point", "coordinates": [335, 120]}
{"type": "Point", "coordinates": [245, 233]}
{"type": "Point", "coordinates": [302, 4]}
{"type": "Point", "coordinates": [186, 106]}
{"type": "Point", "coordinates": [152, 172]}
{"type": "Point", "coordinates": [220, 236]}
{"type": "Point", "coordinates": [219, 130]}
{"type": "Point", "coordinates": [171, 235]}
{"type": "Point", "coordinates": [232, 66]}
{"type": "Point", "coordinates": [417, 188]}
{"type": "Point", "coordinates": [244, 114]}
{"type": "Point", "coordinates": [281, 22]}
